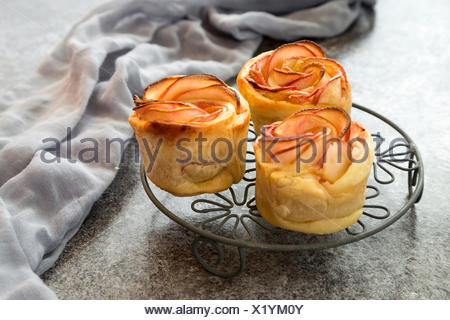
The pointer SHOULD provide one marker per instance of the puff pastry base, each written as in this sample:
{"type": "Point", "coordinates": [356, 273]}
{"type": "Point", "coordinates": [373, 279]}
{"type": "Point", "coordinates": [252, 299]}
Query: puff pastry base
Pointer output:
{"type": "Point", "coordinates": [194, 177]}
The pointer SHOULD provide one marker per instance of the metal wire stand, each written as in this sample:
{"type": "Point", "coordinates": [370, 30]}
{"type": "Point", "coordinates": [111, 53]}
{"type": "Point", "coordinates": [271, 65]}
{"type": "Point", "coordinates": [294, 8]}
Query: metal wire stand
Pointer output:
{"type": "Point", "coordinates": [231, 218]}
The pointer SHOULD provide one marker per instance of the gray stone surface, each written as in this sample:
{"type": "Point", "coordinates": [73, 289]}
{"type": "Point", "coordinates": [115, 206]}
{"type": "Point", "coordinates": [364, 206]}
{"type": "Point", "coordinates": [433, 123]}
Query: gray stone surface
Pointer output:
{"type": "Point", "coordinates": [397, 60]}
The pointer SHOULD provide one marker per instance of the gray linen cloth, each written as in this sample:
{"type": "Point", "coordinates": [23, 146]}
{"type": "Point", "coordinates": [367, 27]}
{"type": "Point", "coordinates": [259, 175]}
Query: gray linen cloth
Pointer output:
{"type": "Point", "coordinates": [86, 85]}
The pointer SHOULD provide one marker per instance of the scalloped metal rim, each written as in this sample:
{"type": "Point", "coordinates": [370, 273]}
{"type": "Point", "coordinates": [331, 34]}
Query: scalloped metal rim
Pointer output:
{"type": "Point", "coordinates": [414, 197]}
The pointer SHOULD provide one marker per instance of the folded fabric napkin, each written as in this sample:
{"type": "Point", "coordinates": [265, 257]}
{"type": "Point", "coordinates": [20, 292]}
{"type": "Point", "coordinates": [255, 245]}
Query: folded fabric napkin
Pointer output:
{"type": "Point", "coordinates": [84, 89]}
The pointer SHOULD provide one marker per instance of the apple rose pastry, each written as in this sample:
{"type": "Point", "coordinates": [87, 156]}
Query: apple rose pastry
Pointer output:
{"type": "Point", "coordinates": [292, 77]}
{"type": "Point", "coordinates": [312, 170]}
{"type": "Point", "coordinates": [192, 134]}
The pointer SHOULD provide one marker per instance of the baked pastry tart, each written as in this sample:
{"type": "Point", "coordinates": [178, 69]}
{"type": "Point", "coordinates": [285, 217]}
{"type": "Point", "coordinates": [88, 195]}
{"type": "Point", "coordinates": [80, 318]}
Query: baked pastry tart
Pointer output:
{"type": "Point", "coordinates": [312, 170]}
{"type": "Point", "coordinates": [292, 77]}
{"type": "Point", "coordinates": [192, 134]}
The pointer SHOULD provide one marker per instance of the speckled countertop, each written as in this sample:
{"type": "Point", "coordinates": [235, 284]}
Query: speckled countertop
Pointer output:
{"type": "Point", "coordinates": [397, 60]}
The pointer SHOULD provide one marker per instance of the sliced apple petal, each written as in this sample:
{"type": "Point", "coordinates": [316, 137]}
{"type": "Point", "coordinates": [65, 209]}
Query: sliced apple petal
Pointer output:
{"type": "Point", "coordinates": [332, 67]}
{"type": "Point", "coordinates": [303, 95]}
{"type": "Point", "coordinates": [312, 120]}
{"type": "Point", "coordinates": [331, 92]}
{"type": "Point", "coordinates": [256, 77]}
{"type": "Point", "coordinates": [290, 64]}
{"type": "Point", "coordinates": [156, 90]}
{"type": "Point", "coordinates": [318, 89]}
{"type": "Point", "coordinates": [306, 146]}
{"type": "Point", "coordinates": [210, 116]}
{"type": "Point", "coordinates": [357, 134]}
{"type": "Point", "coordinates": [335, 162]}
{"type": "Point", "coordinates": [310, 129]}
{"type": "Point", "coordinates": [314, 47]}
{"type": "Point", "coordinates": [303, 123]}
{"type": "Point", "coordinates": [286, 152]}
{"type": "Point", "coordinates": [137, 100]}
{"type": "Point", "coordinates": [168, 111]}
{"type": "Point", "coordinates": [288, 51]}
{"type": "Point", "coordinates": [215, 92]}
{"type": "Point", "coordinates": [152, 104]}
{"type": "Point", "coordinates": [267, 87]}
{"type": "Point", "coordinates": [260, 69]}
{"type": "Point", "coordinates": [187, 83]}
{"type": "Point", "coordinates": [356, 131]}
{"type": "Point", "coordinates": [299, 50]}
{"type": "Point", "coordinates": [338, 117]}
{"type": "Point", "coordinates": [283, 77]}
{"type": "Point", "coordinates": [305, 81]}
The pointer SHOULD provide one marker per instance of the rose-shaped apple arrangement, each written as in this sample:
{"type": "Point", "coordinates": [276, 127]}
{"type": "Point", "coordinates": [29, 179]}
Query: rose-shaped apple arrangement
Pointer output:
{"type": "Point", "coordinates": [292, 77]}
{"type": "Point", "coordinates": [312, 170]}
{"type": "Point", "coordinates": [192, 133]}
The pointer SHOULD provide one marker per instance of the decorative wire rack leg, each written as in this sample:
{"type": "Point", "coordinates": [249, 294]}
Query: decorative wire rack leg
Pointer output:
{"type": "Point", "coordinates": [218, 247]}
{"type": "Point", "coordinates": [412, 178]}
